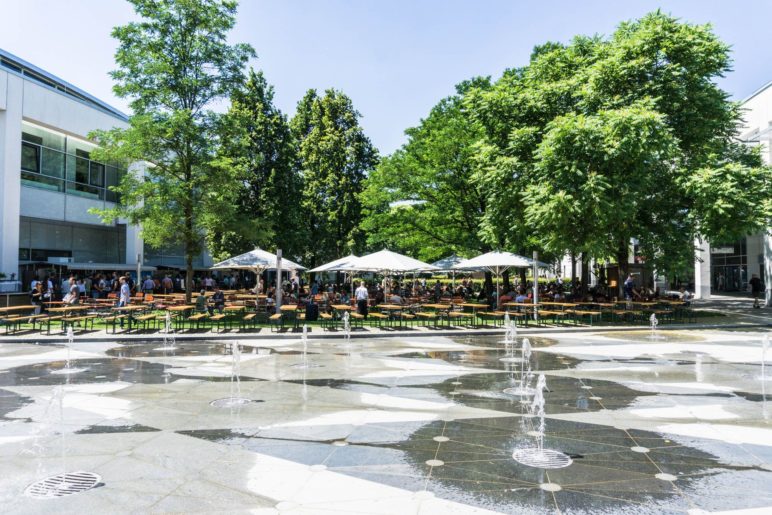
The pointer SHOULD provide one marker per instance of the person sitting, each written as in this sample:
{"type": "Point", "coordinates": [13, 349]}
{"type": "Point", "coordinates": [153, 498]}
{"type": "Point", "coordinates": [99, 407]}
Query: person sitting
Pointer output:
{"type": "Point", "coordinates": [218, 299]}
{"type": "Point", "coordinates": [344, 298]}
{"type": "Point", "coordinates": [395, 299]}
{"type": "Point", "coordinates": [201, 306]}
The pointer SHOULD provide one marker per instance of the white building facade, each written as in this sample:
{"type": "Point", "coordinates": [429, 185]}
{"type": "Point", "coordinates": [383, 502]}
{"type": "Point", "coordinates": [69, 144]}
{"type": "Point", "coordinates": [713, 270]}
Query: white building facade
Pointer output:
{"type": "Point", "coordinates": [48, 181]}
{"type": "Point", "coordinates": [728, 266]}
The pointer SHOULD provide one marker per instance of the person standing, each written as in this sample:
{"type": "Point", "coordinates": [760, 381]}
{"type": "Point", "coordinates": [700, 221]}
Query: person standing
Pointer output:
{"type": "Point", "coordinates": [629, 288]}
{"type": "Point", "coordinates": [148, 285]}
{"type": "Point", "coordinates": [36, 297]}
{"type": "Point", "coordinates": [756, 288]}
{"type": "Point", "coordinates": [124, 294]}
{"type": "Point", "coordinates": [362, 296]}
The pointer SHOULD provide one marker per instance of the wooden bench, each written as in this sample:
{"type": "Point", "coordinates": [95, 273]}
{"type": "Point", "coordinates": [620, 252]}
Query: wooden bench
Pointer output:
{"type": "Point", "coordinates": [427, 317]}
{"type": "Point", "coordinates": [547, 313]}
{"type": "Point", "coordinates": [579, 314]}
{"type": "Point", "coordinates": [113, 320]}
{"type": "Point", "coordinates": [145, 320]}
{"type": "Point", "coordinates": [460, 316]}
{"type": "Point", "coordinates": [378, 319]}
{"type": "Point", "coordinates": [356, 319]}
{"type": "Point", "coordinates": [327, 320]}
{"type": "Point", "coordinates": [198, 319]}
{"type": "Point", "coordinates": [82, 321]}
{"type": "Point", "coordinates": [493, 316]}
{"type": "Point", "coordinates": [220, 321]}
{"type": "Point", "coordinates": [276, 321]}
{"type": "Point", "coordinates": [248, 320]}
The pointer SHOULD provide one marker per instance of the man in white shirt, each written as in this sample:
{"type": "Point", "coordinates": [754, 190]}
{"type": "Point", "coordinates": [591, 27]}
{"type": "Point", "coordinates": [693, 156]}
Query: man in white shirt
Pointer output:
{"type": "Point", "coordinates": [362, 296]}
{"type": "Point", "coordinates": [124, 296]}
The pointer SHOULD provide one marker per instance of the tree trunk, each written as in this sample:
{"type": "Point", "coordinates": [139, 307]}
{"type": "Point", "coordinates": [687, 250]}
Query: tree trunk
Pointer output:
{"type": "Point", "coordinates": [585, 274]}
{"type": "Point", "coordinates": [190, 246]}
{"type": "Point", "coordinates": [488, 285]}
{"type": "Point", "coordinates": [622, 266]}
{"type": "Point", "coordinates": [522, 276]}
{"type": "Point", "coordinates": [505, 281]}
{"type": "Point", "coordinates": [573, 271]}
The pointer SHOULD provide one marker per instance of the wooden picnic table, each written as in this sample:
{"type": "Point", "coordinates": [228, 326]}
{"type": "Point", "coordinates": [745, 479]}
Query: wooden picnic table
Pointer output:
{"type": "Point", "coordinates": [341, 307]}
{"type": "Point", "coordinates": [436, 306]}
{"type": "Point", "coordinates": [17, 308]}
{"type": "Point", "coordinates": [68, 309]}
{"type": "Point", "coordinates": [181, 307]}
{"type": "Point", "coordinates": [290, 307]}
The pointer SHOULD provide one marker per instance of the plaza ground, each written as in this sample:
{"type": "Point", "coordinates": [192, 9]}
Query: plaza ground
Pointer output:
{"type": "Point", "coordinates": [413, 421]}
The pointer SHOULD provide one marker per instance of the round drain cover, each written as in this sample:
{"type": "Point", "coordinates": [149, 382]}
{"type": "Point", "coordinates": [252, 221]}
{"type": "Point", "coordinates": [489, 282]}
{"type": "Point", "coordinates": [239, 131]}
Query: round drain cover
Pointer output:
{"type": "Point", "coordinates": [63, 484]}
{"type": "Point", "coordinates": [542, 458]}
{"type": "Point", "coordinates": [230, 402]}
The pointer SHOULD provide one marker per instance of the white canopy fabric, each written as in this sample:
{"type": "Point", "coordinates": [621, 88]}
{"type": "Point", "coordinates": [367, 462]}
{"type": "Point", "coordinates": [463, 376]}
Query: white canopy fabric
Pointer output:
{"type": "Point", "coordinates": [343, 264]}
{"type": "Point", "coordinates": [257, 260]}
{"type": "Point", "coordinates": [495, 262]}
{"type": "Point", "coordinates": [448, 263]}
{"type": "Point", "coordinates": [386, 261]}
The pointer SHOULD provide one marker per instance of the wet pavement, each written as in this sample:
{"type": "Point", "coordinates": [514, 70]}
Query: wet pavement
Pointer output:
{"type": "Point", "coordinates": [675, 423]}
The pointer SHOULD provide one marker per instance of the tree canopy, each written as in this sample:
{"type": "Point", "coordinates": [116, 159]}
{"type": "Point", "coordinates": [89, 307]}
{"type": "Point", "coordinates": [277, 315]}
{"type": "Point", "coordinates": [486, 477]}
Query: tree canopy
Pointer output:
{"type": "Point", "coordinates": [173, 65]}
{"type": "Point", "coordinates": [421, 199]}
{"type": "Point", "coordinates": [258, 148]}
{"type": "Point", "coordinates": [335, 156]}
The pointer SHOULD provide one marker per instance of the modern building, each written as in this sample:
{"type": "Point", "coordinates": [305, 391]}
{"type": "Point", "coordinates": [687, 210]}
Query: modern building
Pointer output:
{"type": "Point", "coordinates": [49, 184]}
{"type": "Point", "coordinates": [728, 266]}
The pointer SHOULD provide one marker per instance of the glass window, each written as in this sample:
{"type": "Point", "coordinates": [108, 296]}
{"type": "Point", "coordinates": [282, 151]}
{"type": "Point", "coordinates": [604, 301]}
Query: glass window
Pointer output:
{"type": "Point", "coordinates": [30, 157]}
{"type": "Point", "coordinates": [97, 177]}
{"type": "Point", "coordinates": [41, 181]}
{"type": "Point", "coordinates": [35, 134]}
{"type": "Point", "coordinates": [53, 163]}
{"type": "Point", "coordinates": [81, 167]}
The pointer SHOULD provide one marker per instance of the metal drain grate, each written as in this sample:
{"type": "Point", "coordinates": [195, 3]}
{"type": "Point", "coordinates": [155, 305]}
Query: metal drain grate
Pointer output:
{"type": "Point", "coordinates": [542, 458]}
{"type": "Point", "coordinates": [232, 402]}
{"type": "Point", "coordinates": [63, 484]}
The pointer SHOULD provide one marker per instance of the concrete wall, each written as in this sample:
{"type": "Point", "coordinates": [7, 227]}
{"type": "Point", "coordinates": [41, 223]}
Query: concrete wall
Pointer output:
{"type": "Point", "coordinates": [11, 94]}
{"type": "Point", "coordinates": [22, 99]}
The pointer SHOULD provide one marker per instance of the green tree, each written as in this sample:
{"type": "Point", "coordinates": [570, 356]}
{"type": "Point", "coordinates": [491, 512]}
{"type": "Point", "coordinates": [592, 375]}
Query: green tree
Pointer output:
{"type": "Point", "coordinates": [258, 147]}
{"type": "Point", "coordinates": [421, 199]}
{"type": "Point", "coordinates": [173, 65]}
{"type": "Point", "coordinates": [603, 140]}
{"type": "Point", "coordinates": [335, 156]}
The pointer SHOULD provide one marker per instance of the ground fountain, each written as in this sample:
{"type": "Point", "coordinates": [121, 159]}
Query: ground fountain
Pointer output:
{"type": "Point", "coordinates": [522, 389]}
{"type": "Point", "coordinates": [66, 483]}
{"type": "Point", "coordinates": [347, 326]}
{"type": "Point", "coordinates": [169, 340]}
{"type": "Point", "coordinates": [235, 400]}
{"type": "Point", "coordinates": [653, 323]}
{"type": "Point", "coordinates": [305, 364]}
{"type": "Point", "coordinates": [510, 341]}
{"type": "Point", "coordinates": [538, 456]}
{"type": "Point", "coordinates": [68, 368]}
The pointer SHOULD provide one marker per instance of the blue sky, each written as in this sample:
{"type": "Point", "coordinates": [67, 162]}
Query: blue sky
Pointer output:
{"type": "Point", "coordinates": [394, 58]}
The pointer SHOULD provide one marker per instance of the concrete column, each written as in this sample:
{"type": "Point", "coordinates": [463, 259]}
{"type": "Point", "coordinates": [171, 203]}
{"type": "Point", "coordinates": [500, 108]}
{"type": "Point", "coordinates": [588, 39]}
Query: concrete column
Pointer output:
{"type": "Point", "coordinates": [135, 245]}
{"type": "Point", "coordinates": [11, 102]}
{"type": "Point", "coordinates": [768, 266]}
{"type": "Point", "coordinates": [702, 270]}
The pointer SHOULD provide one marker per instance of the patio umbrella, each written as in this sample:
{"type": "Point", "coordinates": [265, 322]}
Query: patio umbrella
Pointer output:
{"type": "Point", "coordinates": [258, 261]}
{"type": "Point", "coordinates": [345, 264]}
{"type": "Point", "coordinates": [389, 263]}
{"type": "Point", "coordinates": [495, 262]}
{"type": "Point", "coordinates": [446, 265]}
{"type": "Point", "coordinates": [386, 261]}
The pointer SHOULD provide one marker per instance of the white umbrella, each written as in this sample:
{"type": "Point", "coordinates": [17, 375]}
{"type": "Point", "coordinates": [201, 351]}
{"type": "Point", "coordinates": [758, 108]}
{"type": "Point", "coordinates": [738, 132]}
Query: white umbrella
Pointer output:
{"type": "Point", "coordinates": [339, 265]}
{"type": "Point", "coordinates": [258, 261]}
{"type": "Point", "coordinates": [496, 263]}
{"type": "Point", "coordinates": [345, 264]}
{"type": "Point", "coordinates": [387, 261]}
{"type": "Point", "coordinates": [446, 265]}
